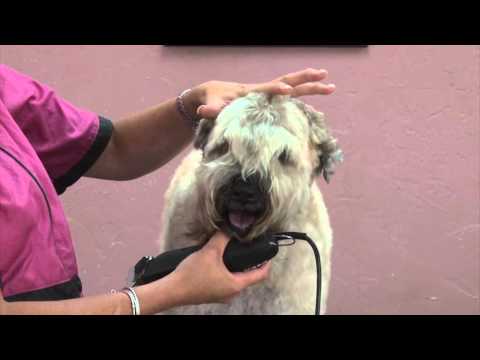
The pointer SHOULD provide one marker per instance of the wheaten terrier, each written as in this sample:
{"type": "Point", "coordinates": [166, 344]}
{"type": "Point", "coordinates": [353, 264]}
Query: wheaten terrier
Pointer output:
{"type": "Point", "coordinates": [252, 171]}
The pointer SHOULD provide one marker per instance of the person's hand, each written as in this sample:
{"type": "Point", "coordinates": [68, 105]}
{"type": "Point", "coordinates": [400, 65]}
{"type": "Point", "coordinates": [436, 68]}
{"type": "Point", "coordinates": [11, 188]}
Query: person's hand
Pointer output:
{"type": "Point", "coordinates": [213, 96]}
{"type": "Point", "coordinates": [203, 277]}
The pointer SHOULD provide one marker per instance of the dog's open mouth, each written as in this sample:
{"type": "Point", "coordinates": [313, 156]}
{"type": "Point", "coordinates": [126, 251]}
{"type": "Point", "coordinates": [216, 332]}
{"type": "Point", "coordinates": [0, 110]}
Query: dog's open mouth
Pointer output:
{"type": "Point", "coordinates": [241, 221]}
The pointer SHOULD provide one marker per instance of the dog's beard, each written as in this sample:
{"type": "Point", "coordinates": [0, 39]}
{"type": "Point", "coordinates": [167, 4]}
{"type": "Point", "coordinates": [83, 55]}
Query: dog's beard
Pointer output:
{"type": "Point", "coordinates": [247, 224]}
{"type": "Point", "coordinates": [274, 203]}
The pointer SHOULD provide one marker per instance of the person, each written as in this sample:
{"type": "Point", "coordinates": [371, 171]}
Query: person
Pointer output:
{"type": "Point", "coordinates": [47, 144]}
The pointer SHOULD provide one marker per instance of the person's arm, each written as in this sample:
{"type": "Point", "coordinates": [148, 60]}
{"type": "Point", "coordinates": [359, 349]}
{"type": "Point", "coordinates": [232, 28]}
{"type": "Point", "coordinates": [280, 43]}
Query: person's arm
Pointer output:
{"type": "Point", "coordinates": [154, 297]}
{"type": "Point", "coordinates": [200, 278]}
{"type": "Point", "coordinates": [145, 141]}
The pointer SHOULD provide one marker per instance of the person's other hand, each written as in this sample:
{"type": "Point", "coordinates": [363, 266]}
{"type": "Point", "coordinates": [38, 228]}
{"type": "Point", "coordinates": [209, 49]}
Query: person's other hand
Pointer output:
{"type": "Point", "coordinates": [203, 277]}
{"type": "Point", "coordinates": [213, 96]}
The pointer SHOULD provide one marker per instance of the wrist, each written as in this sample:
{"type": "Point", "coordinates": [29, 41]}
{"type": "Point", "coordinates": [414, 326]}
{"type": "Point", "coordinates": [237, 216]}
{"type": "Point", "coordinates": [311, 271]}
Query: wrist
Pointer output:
{"type": "Point", "coordinates": [163, 294]}
{"type": "Point", "coordinates": [193, 100]}
{"type": "Point", "coordinates": [177, 286]}
{"type": "Point", "coordinates": [122, 304]}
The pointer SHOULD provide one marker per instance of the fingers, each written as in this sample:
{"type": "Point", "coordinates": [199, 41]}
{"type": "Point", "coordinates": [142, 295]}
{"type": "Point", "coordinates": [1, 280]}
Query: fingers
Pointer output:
{"type": "Point", "coordinates": [313, 88]}
{"type": "Point", "coordinates": [303, 76]}
{"type": "Point", "coordinates": [228, 300]}
{"type": "Point", "coordinates": [251, 277]}
{"type": "Point", "coordinates": [218, 242]}
{"type": "Point", "coordinates": [210, 111]}
{"type": "Point", "coordinates": [273, 87]}
{"type": "Point", "coordinates": [301, 83]}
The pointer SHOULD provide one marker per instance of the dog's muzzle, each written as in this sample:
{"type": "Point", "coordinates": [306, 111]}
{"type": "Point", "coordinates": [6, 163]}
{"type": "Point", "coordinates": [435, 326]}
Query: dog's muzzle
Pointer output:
{"type": "Point", "coordinates": [244, 204]}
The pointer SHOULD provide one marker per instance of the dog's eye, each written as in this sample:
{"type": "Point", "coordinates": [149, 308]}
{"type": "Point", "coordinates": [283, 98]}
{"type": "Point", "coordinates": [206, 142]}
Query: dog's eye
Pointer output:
{"type": "Point", "coordinates": [284, 158]}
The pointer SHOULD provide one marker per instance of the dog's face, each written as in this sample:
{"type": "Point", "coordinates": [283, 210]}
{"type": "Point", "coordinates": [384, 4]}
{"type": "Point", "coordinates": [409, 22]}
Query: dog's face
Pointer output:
{"type": "Point", "coordinates": [260, 157]}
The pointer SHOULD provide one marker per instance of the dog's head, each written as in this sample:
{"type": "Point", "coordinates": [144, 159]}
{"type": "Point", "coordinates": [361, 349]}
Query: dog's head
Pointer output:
{"type": "Point", "coordinates": [260, 158]}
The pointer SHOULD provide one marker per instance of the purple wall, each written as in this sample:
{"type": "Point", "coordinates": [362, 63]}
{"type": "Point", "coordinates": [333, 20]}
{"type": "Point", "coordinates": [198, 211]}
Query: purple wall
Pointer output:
{"type": "Point", "coordinates": [404, 206]}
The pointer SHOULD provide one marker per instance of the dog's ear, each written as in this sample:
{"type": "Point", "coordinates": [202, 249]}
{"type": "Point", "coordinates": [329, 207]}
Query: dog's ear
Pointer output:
{"type": "Point", "coordinates": [202, 133]}
{"type": "Point", "coordinates": [328, 162]}
{"type": "Point", "coordinates": [329, 154]}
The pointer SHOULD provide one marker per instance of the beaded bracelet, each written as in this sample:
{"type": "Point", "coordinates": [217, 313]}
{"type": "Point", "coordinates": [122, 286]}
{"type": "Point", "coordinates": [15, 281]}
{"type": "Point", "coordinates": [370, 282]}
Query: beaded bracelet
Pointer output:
{"type": "Point", "coordinates": [182, 110]}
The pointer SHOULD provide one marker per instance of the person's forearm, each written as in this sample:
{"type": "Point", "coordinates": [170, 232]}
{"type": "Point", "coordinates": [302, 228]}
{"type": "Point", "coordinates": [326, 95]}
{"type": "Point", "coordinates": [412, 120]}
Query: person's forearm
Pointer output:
{"type": "Point", "coordinates": [154, 297]}
{"type": "Point", "coordinates": [143, 142]}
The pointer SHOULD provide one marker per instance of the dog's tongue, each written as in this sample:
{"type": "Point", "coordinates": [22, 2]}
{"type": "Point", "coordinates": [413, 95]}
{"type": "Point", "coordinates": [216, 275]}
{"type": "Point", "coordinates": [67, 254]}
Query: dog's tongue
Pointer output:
{"type": "Point", "coordinates": [240, 219]}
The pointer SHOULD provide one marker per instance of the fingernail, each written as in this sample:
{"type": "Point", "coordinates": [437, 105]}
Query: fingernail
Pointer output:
{"type": "Point", "coordinates": [286, 87]}
{"type": "Point", "coordinates": [332, 86]}
{"type": "Point", "coordinates": [200, 109]}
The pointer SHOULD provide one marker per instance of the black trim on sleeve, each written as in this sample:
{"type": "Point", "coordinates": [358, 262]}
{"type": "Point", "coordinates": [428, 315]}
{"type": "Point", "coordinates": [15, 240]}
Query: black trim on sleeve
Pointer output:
{"type": "Point", "coordinates": [71, 289]}
{"type": "Point", "coordinates": [100, 143]}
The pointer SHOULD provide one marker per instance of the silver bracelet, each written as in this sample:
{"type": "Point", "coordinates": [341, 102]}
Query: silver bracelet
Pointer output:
{"type": "Point", "coordinates": [182, 110]}
{"type": "Point", "coordinates": [133, 300]}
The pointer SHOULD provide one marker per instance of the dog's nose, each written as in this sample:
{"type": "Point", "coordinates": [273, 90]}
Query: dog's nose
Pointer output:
{"type": "Point", "coordinates": [245, 190]}
{"type": "Point", "coordinates": [244, 194]}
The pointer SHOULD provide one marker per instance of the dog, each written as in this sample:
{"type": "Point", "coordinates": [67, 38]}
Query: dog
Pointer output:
{"type": "Point", "coordinates": [252, 171]}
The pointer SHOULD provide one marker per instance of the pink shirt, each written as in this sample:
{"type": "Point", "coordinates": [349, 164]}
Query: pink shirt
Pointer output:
{"type": "Point", "coordinates": [46, 144]}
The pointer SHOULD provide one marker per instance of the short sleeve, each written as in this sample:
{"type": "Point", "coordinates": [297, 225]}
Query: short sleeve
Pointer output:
{"type": "Point", "coordinates": [67, 139]}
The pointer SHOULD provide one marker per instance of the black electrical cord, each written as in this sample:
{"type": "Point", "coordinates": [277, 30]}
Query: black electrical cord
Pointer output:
{"type": "Point", "coordinates": [302, 236]}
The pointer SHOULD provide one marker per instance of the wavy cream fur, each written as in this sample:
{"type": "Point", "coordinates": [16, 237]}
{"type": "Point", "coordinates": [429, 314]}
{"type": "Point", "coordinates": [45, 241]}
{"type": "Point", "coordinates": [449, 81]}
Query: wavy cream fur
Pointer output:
{"type": "Point", "coordinates": [257, 129]}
